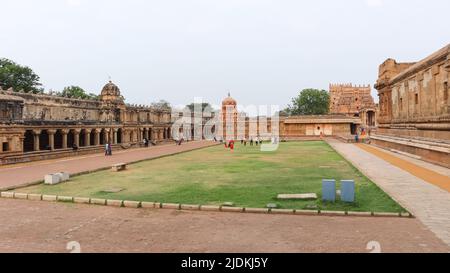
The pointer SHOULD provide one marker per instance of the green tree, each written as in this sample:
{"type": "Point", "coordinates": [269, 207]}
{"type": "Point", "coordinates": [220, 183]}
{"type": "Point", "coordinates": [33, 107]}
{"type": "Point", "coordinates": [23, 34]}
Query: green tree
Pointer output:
{"type": "Point", "coordinates": [76, 92]}
{"type": "Point", "coordinates": [310, 102]}
{"type": "Point", "coordinates": [162, 104]}
{"type": "Point", "coordinates": [204, 106]}
{"type": "Point", "coordinates": [13, 75]}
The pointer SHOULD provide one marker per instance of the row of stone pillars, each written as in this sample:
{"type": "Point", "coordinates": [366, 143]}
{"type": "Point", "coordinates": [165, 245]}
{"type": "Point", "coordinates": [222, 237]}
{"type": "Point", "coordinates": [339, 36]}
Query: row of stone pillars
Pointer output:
{"type": "Point", "coordinates": [99, 137]}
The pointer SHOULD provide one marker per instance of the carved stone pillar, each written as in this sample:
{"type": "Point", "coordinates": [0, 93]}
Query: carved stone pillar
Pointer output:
{"type": "Point", "coordinates": [36, 134]}
{"type": "Point", "coordinates": [64, 138]}
{"type": "Point", "coordinates": [76, 137]}
{"type": "Point", "coordinates": [107, 138]}
{"type": "Point", "coordinates": [114, 135]}
{"type": "Point", "coordinates": [51, 138]}
{"type": "Point", "coordinates": [97, 137]}
{"type": "Point", "coordinates": [87, 137]}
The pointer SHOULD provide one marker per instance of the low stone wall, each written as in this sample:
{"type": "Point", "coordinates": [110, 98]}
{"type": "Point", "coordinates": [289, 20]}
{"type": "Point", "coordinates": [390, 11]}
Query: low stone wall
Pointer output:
{"type": "Point", "coordinates": [192, 207]}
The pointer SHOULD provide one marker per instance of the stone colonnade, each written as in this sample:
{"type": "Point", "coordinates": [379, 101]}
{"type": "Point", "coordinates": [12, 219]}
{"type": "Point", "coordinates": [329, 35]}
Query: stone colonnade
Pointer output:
{"type": "Point", "coordinates": [54, 139]}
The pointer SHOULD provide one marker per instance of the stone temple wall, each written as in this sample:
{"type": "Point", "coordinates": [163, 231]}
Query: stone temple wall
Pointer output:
{"type": "Point", "coordinates": [42, 125]}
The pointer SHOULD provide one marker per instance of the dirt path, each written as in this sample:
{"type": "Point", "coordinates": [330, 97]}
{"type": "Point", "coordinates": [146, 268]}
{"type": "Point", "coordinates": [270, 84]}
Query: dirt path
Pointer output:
{"type": "Point", "coordinates": [33, 226]}
{"type": "Point", "coordinates": [16, 175]}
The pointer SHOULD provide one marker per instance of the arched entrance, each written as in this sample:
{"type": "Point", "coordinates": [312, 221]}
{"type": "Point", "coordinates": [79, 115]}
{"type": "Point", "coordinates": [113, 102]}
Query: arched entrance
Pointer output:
{"type": "Point", "coordinates": [83, 138]}
{"type": "Point", "coordinates": [70, 139]}
{"type": "Point", "coordinates": [92, 137]}
{"type": "Point", "coordinates": [370, 118]}
{"type": "Point", "coordinates": [58, 139]}
{"type": "Point", "coordinates": [103, 137]}
{"type": "Point", "coordinates": [43, 140]}
{"type": "Point", "coordinates": [119, 135]}
{"type": "Point", "coordinates": [28, 141]}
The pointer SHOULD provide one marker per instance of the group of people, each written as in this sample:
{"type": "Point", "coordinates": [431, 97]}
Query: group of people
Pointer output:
{"type": "Point", "coordinates": [108, 149]}
{"type": "Point", "coordinates": [257, 141]}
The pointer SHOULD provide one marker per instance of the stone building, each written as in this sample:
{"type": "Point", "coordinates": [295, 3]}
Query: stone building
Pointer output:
{"type": "Point", "coordinates": [415, 107]}
{"type": "Point", "coordinates": [39, 126]}
{"type": "Point", "coordinates": [353, 101]}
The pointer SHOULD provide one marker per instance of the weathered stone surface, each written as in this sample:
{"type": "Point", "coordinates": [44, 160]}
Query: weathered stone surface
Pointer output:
{"type": "Point", "coordinates": [359, 213]}
{"type": "Point", "coordinates": [7, 194]}
{"type": "Point", "coordinates": [282, 211]}
{"type": "Point", "coordinates": [119, 167]}
{"type": "Point", "coordinates": [190, 207]}
{"type": "Point", "coordinates": [332, 213]}
{"type": "Point", "coordinates": [386, 214]}
{"type": "Point", "coordinates": [228, 204]}
{"type": "Point", "coordinates": [81, 200]}
{"type": "Point", "coordinates": [65, 199]}
{"type": "Point", "coordinates": [209, 208]}
{"type": "Point", "coordinates": [97, 201]}
{"type": "Point", "coordinates": [114, 203]}
{"type": "Point", "coordinates": [131, 204]}
{"type": "Point", "coordinates": [19, 195]}
{"type": "Point", "coordinates": [232, 209]}
{"type": "Point", "coordinates": [63, 176]}
{"type": "Point", "coordinates": [34, 197]}
{"type": "Point", "coordinates": [50, 198]}
{"type": "Point", "coordinates": [307, 212]}
{"type": "Point", "coordinates": [170, 206]}
{"type": "Point", "coordinates": [256, 210]}
{"type": "Point", "coordinates": [299, 196]}
{"type": "Point", "coordinates": [149, 205]}
{"type": "Point", "coordinates": [52, 179]}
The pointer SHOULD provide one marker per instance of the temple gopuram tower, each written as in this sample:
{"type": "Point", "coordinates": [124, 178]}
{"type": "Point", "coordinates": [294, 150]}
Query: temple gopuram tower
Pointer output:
{"type": "Point", "coordinates": [353, 101]}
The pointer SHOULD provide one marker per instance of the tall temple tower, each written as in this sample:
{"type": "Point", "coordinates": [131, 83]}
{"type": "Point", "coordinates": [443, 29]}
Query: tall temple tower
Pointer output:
{"type": "Point", "coordinates": [228, 117]}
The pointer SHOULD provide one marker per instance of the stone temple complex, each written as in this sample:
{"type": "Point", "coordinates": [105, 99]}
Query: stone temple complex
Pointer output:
{"type": "Point", "coordinates": [415, 107]}
{"type": "Point", "coordinates": [41, 126]}
{"type": "Point", "coordinates": [236, 125]}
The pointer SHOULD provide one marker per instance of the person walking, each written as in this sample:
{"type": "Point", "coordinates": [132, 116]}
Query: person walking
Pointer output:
{"type": "Point", "coordinates": [109, 149]}
{"type": "Point", "coordinates": [106, 149]}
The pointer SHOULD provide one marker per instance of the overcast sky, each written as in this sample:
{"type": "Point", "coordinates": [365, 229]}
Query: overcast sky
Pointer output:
{"type": "Point", "coordinates": [262, 51]}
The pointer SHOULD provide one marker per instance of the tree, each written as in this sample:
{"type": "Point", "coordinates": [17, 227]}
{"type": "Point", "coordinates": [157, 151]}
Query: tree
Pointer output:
{"type": "Point", "coordinates": [162, 104]}
{"type": "Point", "coordinates": [310, 102]}
{"type": "Point", "coordinates": [17, 77]}
{"type": "Point", "coordinates": [203, 106]}
{"type": "Point", "coordinates": [76, 92]}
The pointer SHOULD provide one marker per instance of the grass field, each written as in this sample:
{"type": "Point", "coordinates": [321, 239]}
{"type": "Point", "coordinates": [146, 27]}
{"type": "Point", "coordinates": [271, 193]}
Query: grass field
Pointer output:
{"type": "Point", "coordinates": [247, 177]}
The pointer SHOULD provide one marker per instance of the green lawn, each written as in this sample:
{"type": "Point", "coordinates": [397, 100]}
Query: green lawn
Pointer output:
{"type": "Point", "coordinates": [247, 177]}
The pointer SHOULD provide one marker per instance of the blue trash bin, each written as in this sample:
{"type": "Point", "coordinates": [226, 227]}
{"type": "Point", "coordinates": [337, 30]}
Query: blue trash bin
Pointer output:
{"type": "Point", "coordinates": [329, 190]}
{"type": "Point", "coordinates": [348, 191]}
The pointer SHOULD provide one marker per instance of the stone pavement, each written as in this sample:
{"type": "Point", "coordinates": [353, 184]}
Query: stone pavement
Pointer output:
{"type": "Point", "coordinates": [36, 226]}
{"type": "Point", "coordinates": [429, 203]}
{"type": "Point", "coordinates": [22, 174]}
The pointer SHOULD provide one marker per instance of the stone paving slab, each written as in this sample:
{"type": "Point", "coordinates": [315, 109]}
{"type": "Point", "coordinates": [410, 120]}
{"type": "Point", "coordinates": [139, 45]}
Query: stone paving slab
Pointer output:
{"type": "Point", "coordinates": [21, 174]}
{"type": "Point", "coordinates": [429, 203]}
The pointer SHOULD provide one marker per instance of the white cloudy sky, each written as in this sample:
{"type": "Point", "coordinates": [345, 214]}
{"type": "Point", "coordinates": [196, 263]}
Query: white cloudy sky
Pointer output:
{"type": "Point", "coordinates": [263, 51]}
